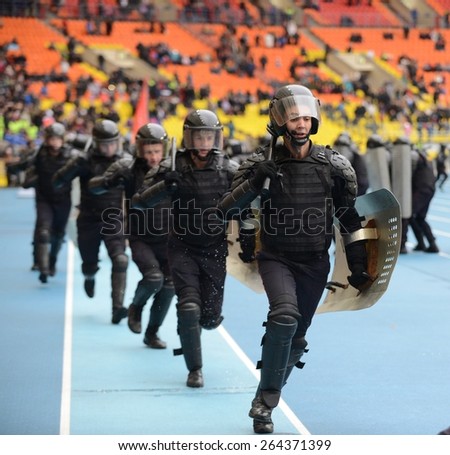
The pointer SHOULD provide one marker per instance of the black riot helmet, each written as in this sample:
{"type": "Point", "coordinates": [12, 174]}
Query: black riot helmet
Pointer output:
{"type": "Point", "coordinates": [202, 120]}
{"type": "Point", "coordinates": [105, 131]}
{"type": "Point", "coordinates": [55, 130]}
{"type": "Point", "coordinates": [151, 133]}
{"type": "Point", "coordinates": [293, 101]}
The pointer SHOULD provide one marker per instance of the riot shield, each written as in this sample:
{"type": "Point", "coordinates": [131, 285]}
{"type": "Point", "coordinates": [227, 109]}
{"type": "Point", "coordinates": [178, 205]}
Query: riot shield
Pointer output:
{"type": "Point", "coordinates": [382, 230]}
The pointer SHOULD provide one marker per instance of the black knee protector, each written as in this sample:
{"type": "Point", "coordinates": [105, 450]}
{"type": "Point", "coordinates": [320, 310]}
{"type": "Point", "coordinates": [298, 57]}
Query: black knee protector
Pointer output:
{"type": "Point", "coordinates": [43, 236]}
{"type": "Point", "coordinates": [284, 305]}
{"type": "Point", "coordinates": [189, 295]}
{"type": "Point", "coordinates": [120, 263]}
{"type": "Point", "coordinates": [153, 280]}
{"type": "Point", "coordinates": [189, 331]}
{"type": "Point", "coordinates": [276, 348]}
{"type": "Point", "coordinates": [89, 269]}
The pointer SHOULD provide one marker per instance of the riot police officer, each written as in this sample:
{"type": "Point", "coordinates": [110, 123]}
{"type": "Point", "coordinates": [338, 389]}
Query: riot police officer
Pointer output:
{"type": "Point", "coordinates": [148, 230]}
{"type": "Point", "coordinates": [96, 220]}
{"type": "Point", "coordinates": [302, 186]}
{"type": "Point", "coordinates": [346, 147]}
{"type": "Point", "coordinates": [52, 206]}
{"type": "Point", "coordinates": [196, 178]}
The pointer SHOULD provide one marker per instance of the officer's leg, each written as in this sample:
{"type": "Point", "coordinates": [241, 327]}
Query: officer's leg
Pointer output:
{"type": "Point", "coordinates": [276, 348]}
{"type": "Point", "coordinates": [56, 241]}
{"type": "Point", "coordinates": [43, 239]}
{"type": "Point", "coordinates": [89, 240]}
{"type": "Point", "coordinates": [422, 204]}
{"type": "Point", "coordinates": [298, 348]}
{"type": "Point", "coordinates": [158, 312]}
{"type": "Point", "coordinates": [61, 215]}
{"type": "Point", "coordinates": [212, 281]}
{"type": "Point", "coordinates": [418, 234]}
{"type": "Point", "coordinates": [118, 285]}
{"type": "Point", "coordinates": [43, 229]}
{"type": "Point", "coordinates": [151, 282]}
{"type": "Point", "coordinates": [188, 313]}
{"type": "Point", "coordinates": [148, 286]}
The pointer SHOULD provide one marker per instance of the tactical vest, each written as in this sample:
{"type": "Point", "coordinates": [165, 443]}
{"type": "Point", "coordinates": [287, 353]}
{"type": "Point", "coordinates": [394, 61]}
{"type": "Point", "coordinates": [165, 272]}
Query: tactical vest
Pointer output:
{"type": "Point", "coordinates": [151, 225]}
{"type": "Point", "coordinates": [197, 196]}
{"type": "Point", "coordinates": [297, 216]}
{"type": "Point", "coordinates": [46, 166]}
{"type": "Point", "coordinates": [96, 204]}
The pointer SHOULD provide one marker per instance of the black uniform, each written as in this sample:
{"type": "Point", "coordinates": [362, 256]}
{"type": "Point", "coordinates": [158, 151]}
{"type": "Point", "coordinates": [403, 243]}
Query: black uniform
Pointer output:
{"type": "Point", "coordinates": [197, 243]}
{"type": "Point", "coordinates": [52, 206]}
{"type": "Point", "coordinates": [98, 221]}
{"type": "Point", "coordinates": [148, 232]}
{"type": "Point", "coordinates": [303, 186]}
{"type": "Point", "coordinates": [423, 189]}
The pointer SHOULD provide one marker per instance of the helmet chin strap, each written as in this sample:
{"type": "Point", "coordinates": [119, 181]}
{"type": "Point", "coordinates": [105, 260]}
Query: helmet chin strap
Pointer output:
{"type": "Point", "coordinates": [295, 144]}
{"type": "Point", "coordinates": [201, 158]}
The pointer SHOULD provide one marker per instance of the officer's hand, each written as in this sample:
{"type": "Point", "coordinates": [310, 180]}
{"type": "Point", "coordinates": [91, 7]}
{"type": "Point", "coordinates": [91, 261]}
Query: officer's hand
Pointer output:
{"type": "Point", "coordinates": [359, 277]}
{"type": "Point", "coordinates": [172, 179]}
{"type": "Point", "coordinates": [265, 169]}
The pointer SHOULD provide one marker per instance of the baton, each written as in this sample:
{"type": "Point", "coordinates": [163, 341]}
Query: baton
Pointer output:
{"type": "Point", "coordinates": [173, 152]}
{"type": "Point", "coordinates": [265, 188]}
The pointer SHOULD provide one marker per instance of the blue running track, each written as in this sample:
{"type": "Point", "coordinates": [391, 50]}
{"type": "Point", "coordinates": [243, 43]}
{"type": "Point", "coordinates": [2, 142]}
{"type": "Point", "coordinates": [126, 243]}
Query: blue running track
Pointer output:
{"type": "Point", "coordinates": [65, 369]}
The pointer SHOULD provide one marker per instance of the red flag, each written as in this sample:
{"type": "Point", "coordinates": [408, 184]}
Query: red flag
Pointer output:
{"type": "Point", "coordinates": [141, 116]}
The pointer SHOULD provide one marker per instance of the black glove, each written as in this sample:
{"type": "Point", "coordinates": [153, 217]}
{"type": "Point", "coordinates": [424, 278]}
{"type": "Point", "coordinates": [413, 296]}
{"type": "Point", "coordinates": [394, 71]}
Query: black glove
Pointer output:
{"type": "Point", "coordinates": [359, 276]}
{"type": "Point", "coordinates": [172, 179]}
{"type": "Point", "coordinates": [265, 169]}
{"type": "Point", "coordinates": [248, 245]}
{"type": "Point", "coordinates": [119, 177]}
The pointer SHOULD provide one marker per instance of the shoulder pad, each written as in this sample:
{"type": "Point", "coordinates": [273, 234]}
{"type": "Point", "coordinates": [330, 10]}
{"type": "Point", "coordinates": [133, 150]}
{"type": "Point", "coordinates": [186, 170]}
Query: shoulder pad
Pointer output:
{"type": "Point", "coordinates": [165, 165]}
{"type": "Point", "coordinates": [232, 166]}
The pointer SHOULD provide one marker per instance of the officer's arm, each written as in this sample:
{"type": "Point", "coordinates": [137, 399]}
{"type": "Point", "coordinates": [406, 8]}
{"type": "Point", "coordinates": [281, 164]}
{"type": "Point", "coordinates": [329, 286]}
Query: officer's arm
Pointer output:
{"type": "Point", "coordinates": [69, 171]}
{"type": "Point", "coordinates": [241, 193]}
{"type": "Point", "coordinates": [116, 174]}
{"type": "Point", "coordinates": [344, 196]}
{"type": "Point", "coordinates": [154, 189]}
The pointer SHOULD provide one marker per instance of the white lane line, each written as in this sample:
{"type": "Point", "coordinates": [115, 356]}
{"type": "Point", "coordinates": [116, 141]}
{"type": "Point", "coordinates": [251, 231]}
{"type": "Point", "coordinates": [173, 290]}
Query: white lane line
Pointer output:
{"type": "Point", "coordinates": [64, 424]}
{"type": "Point", "coordinates": [248, 363]}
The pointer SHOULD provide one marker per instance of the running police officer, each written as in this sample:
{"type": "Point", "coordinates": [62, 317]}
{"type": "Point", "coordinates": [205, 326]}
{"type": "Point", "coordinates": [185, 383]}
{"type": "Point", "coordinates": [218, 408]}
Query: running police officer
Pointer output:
{"type": "Point", "coordinates": [52, 206]}
{"type": "Point", "coordinates": [148, 231]}
{"type": "Point", "coordinates": [199, 176]}
{"type": "Point", "coordinates": [308, 185]}
{"type": "Point", "coordinates": [93, 223]}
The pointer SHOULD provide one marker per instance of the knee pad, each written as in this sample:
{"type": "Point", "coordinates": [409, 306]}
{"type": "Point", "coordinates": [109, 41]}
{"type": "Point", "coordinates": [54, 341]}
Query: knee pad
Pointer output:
{"type": "Point", "coordinates": [284, 306]}
{"type": "Point", "coordinates": [189, 295]}
{"type": "Point", "coordinates": [120, 263]}
{"type": "Point", "coordinates": [153, 279]}
{"type": "Point", "coordinates": [89, 269]}
{"type": "Point", "coordinates": [43, 236]}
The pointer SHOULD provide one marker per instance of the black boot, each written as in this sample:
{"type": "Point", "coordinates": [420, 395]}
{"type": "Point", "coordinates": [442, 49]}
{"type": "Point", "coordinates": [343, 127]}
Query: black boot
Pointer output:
{"type": "Point", "coordinates": [195, 379]}
{"type": "Point", "coordinates": [134, 318]}
{"type": "Point", "coordinates": [118, 282]}
{"type": "Point", "coordinates": [145, 289]}
{"type": "Point", "coordinates": [43, 261]}
{"type": "Point", "coordinates": [55, 246]}
{"type": "Point", "coordinates": [89, 285]}
{"type": "Point", "coordinates": [152, 340]}
{"type": "Point", "coordinates": [158, 312]}
{"type": "Point", "coordinates": [261, 414]}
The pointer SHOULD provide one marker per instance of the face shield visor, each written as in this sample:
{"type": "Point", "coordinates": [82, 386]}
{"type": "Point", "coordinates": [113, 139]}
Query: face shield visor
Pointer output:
{"type": "Point", "coordinates": [203, 138]}
{"type": "Point", "coordinates": [293, 107]}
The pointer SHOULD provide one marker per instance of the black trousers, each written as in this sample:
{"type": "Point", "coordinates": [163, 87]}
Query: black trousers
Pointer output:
{"type": "Point", "coordinates": [51, 217]}
{"type": "Point", "coordinates": [199, 275]}
{"type": "Point", "coordinates": [90, 236]}
{"type": "Point", "coordinates": [149, 256]}
{"type": "Point", "coordinates": [302, 283]}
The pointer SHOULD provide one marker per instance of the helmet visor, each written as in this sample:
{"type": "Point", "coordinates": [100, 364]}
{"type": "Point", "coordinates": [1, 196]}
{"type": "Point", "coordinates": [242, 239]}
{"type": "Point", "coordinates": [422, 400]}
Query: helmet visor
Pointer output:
{"type": "Point", "coordinates": [203, 138]}
{"type": "Point", "coordinates": [293, 107]}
